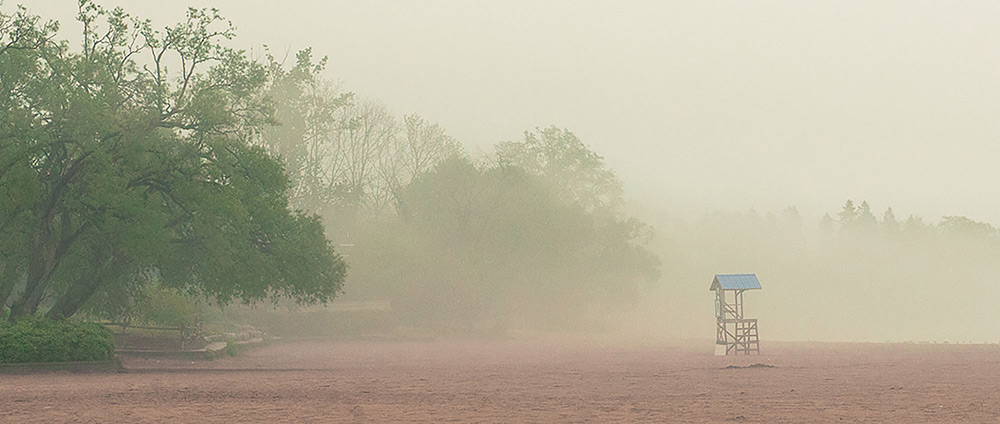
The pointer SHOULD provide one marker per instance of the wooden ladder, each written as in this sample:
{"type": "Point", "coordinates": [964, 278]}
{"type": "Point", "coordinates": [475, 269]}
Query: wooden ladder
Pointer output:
{"type": "Point", "coordinates": [746, 337]}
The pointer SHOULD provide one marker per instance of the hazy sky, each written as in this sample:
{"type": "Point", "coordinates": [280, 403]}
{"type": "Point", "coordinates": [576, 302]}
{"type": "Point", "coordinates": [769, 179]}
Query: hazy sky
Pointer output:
{"type": "Point", "coordinates": [697, 105]}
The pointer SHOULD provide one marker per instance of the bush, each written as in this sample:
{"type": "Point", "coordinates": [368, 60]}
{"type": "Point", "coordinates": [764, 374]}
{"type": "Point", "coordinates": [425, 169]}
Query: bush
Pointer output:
{"type": "Point", "coordinates": [43, 340]}
{"type": "Point", "coordinates": [167, 307]}
{"type": "Point", "coordinates": [232, 348]}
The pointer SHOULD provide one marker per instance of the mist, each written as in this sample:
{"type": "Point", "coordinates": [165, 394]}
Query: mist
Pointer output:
{"type": "Point", "coordinates": [862, 276]}
{"type": "Point", "coordinates": [697, 105]}
{"type": "Point", "coordinates": [716, 117]}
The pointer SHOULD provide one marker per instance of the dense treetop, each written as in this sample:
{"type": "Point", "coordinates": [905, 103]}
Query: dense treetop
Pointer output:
{"type": "Point", "coordinates": [132, 160]}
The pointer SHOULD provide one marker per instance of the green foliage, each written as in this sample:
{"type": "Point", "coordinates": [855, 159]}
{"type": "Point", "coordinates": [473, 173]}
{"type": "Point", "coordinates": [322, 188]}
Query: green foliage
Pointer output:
{"type": "Point", "coordinates": [168, 308]}
{"type": "Point", "coordinates": [125, 187]}
{"type": "Point", "coordinates": [43, 340]}
{"type": "Point", "coordinates": [577, 173]}
{"type": "Point", "coordinates": [232, 348]}
{"type": "Point", "coordinates": [497, 246]}
{"type": "Point", "coordinates": [115, 172]}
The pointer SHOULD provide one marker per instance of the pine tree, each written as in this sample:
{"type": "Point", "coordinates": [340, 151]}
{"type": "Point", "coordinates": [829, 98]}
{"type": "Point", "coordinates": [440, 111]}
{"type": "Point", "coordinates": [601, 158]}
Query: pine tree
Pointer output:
{"type": "Point", "coordinates": [848, 214]}
{"type": "Point", "coordinates": [826, 223]}
{"type": "Point", "coordinates": [889, 221]}
{"type": "Point", "coordinates": [865, 218]}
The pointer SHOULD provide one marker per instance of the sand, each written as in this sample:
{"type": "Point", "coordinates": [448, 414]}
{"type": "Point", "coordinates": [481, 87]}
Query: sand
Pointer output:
{"type": "Point", "coordinates": [532, 380]}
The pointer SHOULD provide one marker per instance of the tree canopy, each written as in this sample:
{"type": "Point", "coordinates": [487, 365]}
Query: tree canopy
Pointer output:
{"type": "Point", "coordinates": [132, 160]}
{"type": "Point", "coordinates": [160, 158]}
{"type": "Point", "coordinates": [493, 246]}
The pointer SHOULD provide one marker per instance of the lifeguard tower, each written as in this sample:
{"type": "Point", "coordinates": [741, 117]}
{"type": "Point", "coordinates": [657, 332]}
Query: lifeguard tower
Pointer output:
{"type": "Point", "coordinates": [734, 333]}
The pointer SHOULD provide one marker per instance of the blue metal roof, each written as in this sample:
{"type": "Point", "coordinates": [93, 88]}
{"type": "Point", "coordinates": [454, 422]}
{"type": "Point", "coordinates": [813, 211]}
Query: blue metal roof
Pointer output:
{"type": "Point", "coordinates": [736, 282]}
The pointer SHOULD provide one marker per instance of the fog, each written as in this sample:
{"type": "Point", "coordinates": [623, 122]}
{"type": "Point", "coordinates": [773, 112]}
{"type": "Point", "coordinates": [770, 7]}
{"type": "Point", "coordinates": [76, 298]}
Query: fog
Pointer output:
{"type": "Point", "coordinates": [858, 280]}
{"type": "Point", "coordinates": [707, 110]}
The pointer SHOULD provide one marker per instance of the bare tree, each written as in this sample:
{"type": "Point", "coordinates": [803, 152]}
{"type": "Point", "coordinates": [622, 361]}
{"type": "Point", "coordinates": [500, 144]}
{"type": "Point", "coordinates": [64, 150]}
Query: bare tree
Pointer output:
{"type": "Point", "coordinates": [347, 157]}
{"type": "Point", "coordinates": [422, 147]}
{"type": "Point", "coordinates": [357, 150]}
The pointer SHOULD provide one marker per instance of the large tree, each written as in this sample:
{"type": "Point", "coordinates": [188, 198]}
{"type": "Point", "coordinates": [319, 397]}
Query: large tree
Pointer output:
{"type": "Point", "coordinates": [492, 245]}
{"type": "Point", "coordinates": [349, 158]}
{"type": "Point", "coordinates": [132, 158]}
{"type": "Point", "coordinates": [578, 174]}
{"type": "Point", "coordinates": [309, 109]}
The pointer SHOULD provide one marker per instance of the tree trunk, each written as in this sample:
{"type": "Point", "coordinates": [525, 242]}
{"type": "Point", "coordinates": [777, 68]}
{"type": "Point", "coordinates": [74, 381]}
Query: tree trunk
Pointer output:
{"type": "Point", "coordinates": [77, 294]}
{"type": "Point", "coordinates": [46, 253]}
{"type": "Point", "coordinates": [7, 284]}
{"type": "Point", "coordinates": [84, 287]}
{"type": "Point", "coordinates": [13, 279]}
{"type": "Point", "coordinates": [40, 268]}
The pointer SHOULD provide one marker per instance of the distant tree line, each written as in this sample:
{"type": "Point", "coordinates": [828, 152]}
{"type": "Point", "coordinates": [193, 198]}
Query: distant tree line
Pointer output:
{"type": "Point", "coordinates": [155, 163]}
{"type": "Point", "coordinates": [853, 274]}
{"type": "Point", "coordinates": [530, 234]}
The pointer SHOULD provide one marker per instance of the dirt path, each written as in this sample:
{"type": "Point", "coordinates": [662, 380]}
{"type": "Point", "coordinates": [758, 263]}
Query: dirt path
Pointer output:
{"type": "Point", "coordinates": [528, 381]}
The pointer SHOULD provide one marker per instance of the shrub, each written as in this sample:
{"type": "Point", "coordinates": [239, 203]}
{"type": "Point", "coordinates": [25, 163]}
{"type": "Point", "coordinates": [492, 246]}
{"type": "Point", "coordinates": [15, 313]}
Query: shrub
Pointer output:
{"type": "Point", "coordinates": [43, 340]}
{"type": "Point", "coordinates": [167, 307]}
{"type": "Point", "coordinates": [232, 348]}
